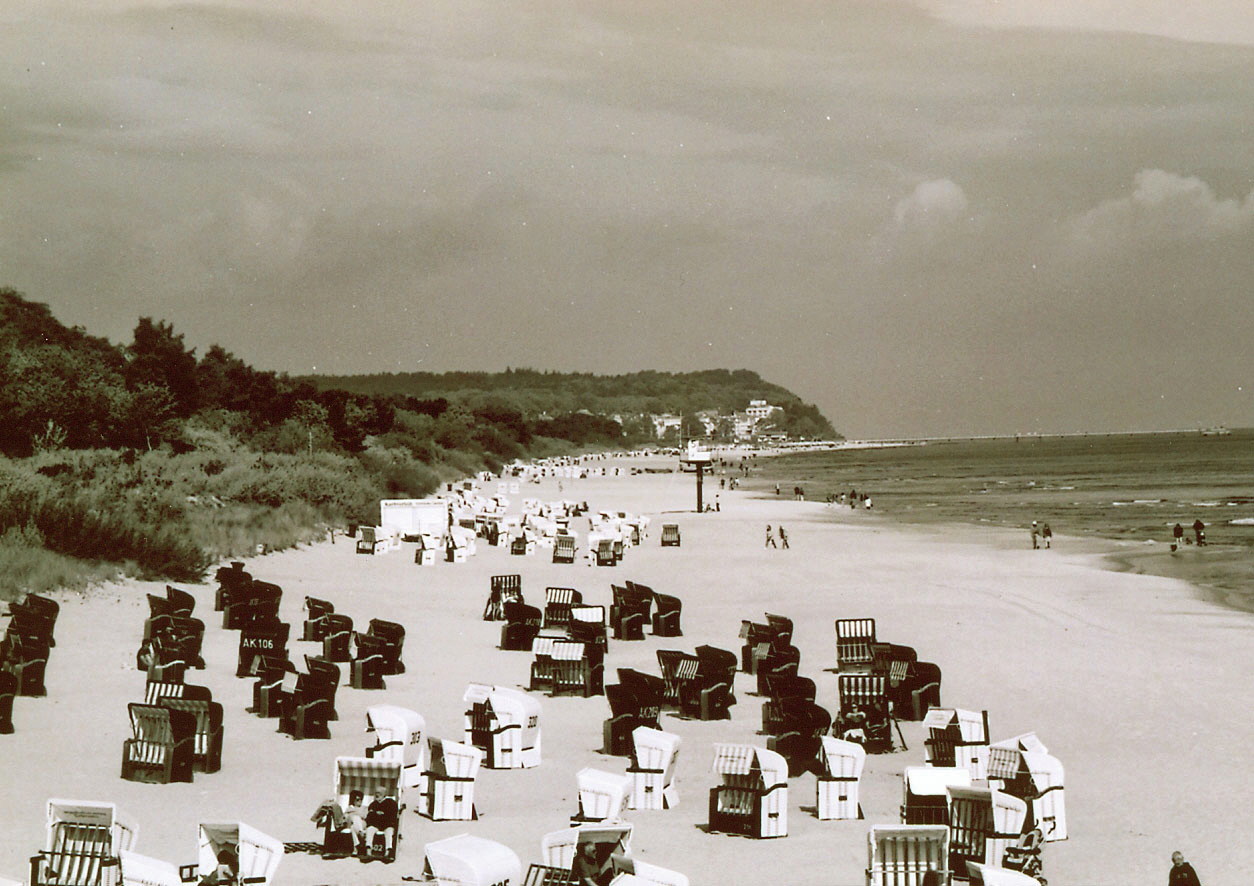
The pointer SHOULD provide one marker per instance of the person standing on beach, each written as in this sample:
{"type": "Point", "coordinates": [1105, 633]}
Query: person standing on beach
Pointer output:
{"type": "Point", "coordinates": [1182, 873]}
{"type": "Point", "coordinates": [1047, 535]}
{"type": "Point", "coordinates": [783, 538]}
{"type": "Point", "coordinates": [770, 536]}
{"type": "Point", "coordinates": [1199, 532]}
{"type": "Point", "coordinates": [1034, 534]}
{"type": "Point", "coordinates": [1177, 533]}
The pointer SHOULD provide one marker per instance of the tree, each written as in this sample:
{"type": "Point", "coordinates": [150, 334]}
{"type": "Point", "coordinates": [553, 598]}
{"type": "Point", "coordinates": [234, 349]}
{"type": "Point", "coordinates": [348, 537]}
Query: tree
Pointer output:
{"type": "Point", "coordinates": [158, 358]}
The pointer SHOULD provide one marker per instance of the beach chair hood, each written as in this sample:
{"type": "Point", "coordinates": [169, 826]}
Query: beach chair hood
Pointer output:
{"type": "Point", "coordinates": [843, 758]}
{"type": "Point", "coordinates": [985, 875]}
{"type": "Point", "coordinates": [602, 795]}
{"type": "Point", "coordinates": [628, 871]}
{"type": "Point", "coordinates": [467, 860]}
{"type": "Point", "coordinates": [733, 759]}
{"type": "Point", "coordinates": [398, 737]}
{"type": "Point", "coordinates": [123, 833]}
{"type": "Point", "coordinates": [258, 854]}
{"type": "Point", "coordinates": [934, 781]}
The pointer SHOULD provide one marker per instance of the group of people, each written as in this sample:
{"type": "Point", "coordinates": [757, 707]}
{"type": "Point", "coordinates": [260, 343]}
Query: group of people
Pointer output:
{"type": "Point", "coordinates": [1042, 535]}
{"type": "Point", "coordinates": [853, 498]}
{"type": "Point", "coordinates": [770, 537]}
{"type": "Point", "coordinates": [1199, 535]}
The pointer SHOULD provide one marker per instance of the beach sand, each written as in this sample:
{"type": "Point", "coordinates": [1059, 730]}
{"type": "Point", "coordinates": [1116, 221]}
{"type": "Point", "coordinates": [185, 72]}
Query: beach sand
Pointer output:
{"type": "Point", "coordinates": [1139, 685]}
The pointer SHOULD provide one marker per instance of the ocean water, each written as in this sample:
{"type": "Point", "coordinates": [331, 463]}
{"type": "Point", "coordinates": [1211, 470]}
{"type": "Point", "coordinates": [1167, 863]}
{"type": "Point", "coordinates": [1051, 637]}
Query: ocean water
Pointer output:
{"type": "Point", "coordinates": [1125, 486]}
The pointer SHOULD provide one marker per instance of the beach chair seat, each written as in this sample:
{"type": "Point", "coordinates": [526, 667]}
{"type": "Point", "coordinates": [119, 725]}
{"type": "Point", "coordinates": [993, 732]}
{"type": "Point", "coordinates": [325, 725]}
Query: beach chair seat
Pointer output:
{"type": "Point", "coordinates": [677, 668]}
{"type": "Point", "coordinates": [305, 711]}
{"type": "Point", "coordinates": [26, 658]}
{"type": "Point", "coordinates": [158, 606]}
{"type": "Point", "coordinates": [256, 855]}
{"type": "Point", "coordinates": [34, 618]}
{"type": "Point", "coordinates": [337, 640]}
{"type": "Point", "coordinates": [778, 659]}
{"type": "Point", "coordinates": [625, 716]}
{"type": "Point", "coordinates": [314, 628]}
{"type": "Point", "coordinates": [757, 637]}
{"type": "Point", "coordinates": [670, 535]}
{"type": "Point", "coordinates": [230, 580]}
{"type": "Point", "coordinates": [257, 601]}
{"type": "Point", "coordinates": [324, 678]}
{"type": "Point", "coordinates": [780, 689]}
{"type": "Point", "coordinates": [368, 540]}
{"type": "Point", "coordinates": [269, 688]}
{"type": "Point", "coordinates": [564, 549]}
{"type": "Point", "coordinates": [449, 781]}
{"type": "Point", "coordinates": [369, 663]}
{"type": "Point", "coordinates": [162, 745]}
{"type": "Point", "coordinates": [839, 777]}
{"type": "Point", "coordinates": [8, 690]}
{"type": "Point", "coordinates": [587, 625]}
{"type": "Point", "coordinates": [605, 553]}
{"type": "Point", "coordinates": [392, 635]}
{"type": "Point", "coordinates": [666, 616]}
{"type": "Point", "coordinates": [207, 738]}
{"type": "Point", "coordinates": [577, 669]}
{"type": "Point", "coordinates": [557, 604]}
{"type": "Point", "coordinates": [83, 845]}
{"type": "Point", "coordinates": [925, 793]}
{"type": "Point", "coordinates": [753, 798]}
{"type": "Point", "coordinates": [501, 588]}
{"type": "Point", "coordinates": [522, 625]}
{"type": "Point", "coordinates": [799, 740]}
{"type": "Point", "coordinates": [983, 823]}
{"type": "Point", "coordinates": [865, 715]}
{"type": "Point", "coordinates": [630, 610]}
{"type": "Point", "coordinates": [710, 695]}
{"type": "Point", "coordinates": [957, 737]}
{"type": "Point", "coordinates": [518, 545]}
{"type": "Point", "coordinates": [917, 692]}
{"type": "Point", "coordinates": [907, 855]}
{"type": "Point", "coordinates": [654, 757]}
{"type": "Point", "coordinates": [504, 723]}
{"type": "Point", "coordinates": [855, 639]}
{"type": "Point", "coordinates": [602, 796]}
{"type": "Point", "coordinates": [260, 638]}
{"type": "Point", "coordinates": [379, 782]}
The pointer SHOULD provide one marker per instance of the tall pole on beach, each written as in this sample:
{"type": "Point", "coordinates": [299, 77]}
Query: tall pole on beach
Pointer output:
{"type": "Point", "coordinates": [700, 477]}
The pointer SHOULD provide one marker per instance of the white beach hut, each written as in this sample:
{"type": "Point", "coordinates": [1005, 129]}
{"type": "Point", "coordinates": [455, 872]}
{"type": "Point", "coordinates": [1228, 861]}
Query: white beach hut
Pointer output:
{"type": "Point", "coordinates": [836, 787]}
{"type": "Point", "coordinates": [505, 724]}
{"type": "Point", "coordinates": [602, 795]}
{"type": "Point", "coordinates": [652, 771]}
{"type": "Point", "coordinates": [397, 735]}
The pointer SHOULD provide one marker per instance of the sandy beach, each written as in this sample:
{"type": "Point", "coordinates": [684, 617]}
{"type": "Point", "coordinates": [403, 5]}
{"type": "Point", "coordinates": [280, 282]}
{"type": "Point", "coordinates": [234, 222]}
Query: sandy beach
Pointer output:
{"type": "Point", "coordinates": [1137, 683]}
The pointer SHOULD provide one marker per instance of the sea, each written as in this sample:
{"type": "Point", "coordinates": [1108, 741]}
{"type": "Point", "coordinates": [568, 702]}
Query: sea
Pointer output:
{"type": "Point", "coordinates": [1131, 488]}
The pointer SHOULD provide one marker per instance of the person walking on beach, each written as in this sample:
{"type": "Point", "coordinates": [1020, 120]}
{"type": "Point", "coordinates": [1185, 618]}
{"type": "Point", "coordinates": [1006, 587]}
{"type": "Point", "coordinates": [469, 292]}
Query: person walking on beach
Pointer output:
{"type": "Point", "coordinates": [1177, 533]}
{"type": "Point", "coordinates": [1182, 873]}
{"type": "Point", "coordinates": [770, 536]}
{"type": "Point", "coordinates": [1035, 532]}
{"type": "Point", "coordinates": [1047, 535]}
{"type": "Point", "coordinates": [783, 538]}
{"type": "Point", "coordinates": [1199, 532]}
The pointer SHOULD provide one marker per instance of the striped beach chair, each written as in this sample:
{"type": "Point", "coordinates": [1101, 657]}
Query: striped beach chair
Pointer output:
{"type": "Point", "coordinates": [207, 739]}
{"type": "Point", "coordinates": [836, 789]}
{"type": "Point", "coordinates": [452, 768]}
{"type": "Point", "coordinates": [653, 760]}
{"type": "Point", "coordinates": [855, 638]}
{"type": "Point", "coordinates": [162, 745]}
{"type": "Point", "coordinates": [376, 779]}
{"type": "Point", "coordinates": [753, 798]}
{"type": "Point", "coordinates": [907, 855]}
{"type": "Point", "coordinates": [557, 604]}
{"type": "Point", "coordinates": [83, 844]}
{"type": "Point", "coordinates": [500, 589]}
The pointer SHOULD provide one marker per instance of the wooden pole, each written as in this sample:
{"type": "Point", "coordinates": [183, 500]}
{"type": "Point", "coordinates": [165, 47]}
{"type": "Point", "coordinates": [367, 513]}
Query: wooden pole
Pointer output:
{"type": "Point", "coordinates": [700, 477]}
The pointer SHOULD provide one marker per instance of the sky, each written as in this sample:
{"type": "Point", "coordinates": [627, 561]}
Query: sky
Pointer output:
{"type": "Point", "coordinates": [933, 218]}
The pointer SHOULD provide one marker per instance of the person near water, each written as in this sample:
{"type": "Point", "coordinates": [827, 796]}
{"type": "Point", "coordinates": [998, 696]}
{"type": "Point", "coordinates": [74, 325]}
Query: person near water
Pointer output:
{"type": "Point", "coordinates": [770, 536]}
{"type": "Point", "coordinates": [783, 538]}
{"type": "Point", "coordinates": [1182, 873]}
{"type": "Point", "coordinates": [1177, 534]}
{"type": "Point", "coordinates": [1035, 532]}
{"type": "Point", "coordinates": [1047, 535]}
{"type": "Point", "coordinates": [1199, 532]}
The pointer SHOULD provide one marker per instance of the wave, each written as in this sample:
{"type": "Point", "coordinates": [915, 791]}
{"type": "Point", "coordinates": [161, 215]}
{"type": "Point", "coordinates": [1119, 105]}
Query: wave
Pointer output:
{"type": "Point", "coordinates": [1242, 521]}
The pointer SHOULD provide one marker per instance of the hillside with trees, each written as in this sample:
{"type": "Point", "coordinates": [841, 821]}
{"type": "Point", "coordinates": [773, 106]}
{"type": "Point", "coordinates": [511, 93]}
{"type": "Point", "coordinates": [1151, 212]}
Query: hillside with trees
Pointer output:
{"type": "Point", "coordinates": [148, 458]}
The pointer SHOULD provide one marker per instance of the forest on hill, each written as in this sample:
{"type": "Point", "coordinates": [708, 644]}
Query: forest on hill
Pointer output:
{"type": "Point", "coordinates": [149, 459]}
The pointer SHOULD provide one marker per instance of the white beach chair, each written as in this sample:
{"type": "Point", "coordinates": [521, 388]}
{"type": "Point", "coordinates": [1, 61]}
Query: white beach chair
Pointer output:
{"type": "Point", "coordinates": [836, 787]}
{"type": "Point", "coordinates": [466, 860]}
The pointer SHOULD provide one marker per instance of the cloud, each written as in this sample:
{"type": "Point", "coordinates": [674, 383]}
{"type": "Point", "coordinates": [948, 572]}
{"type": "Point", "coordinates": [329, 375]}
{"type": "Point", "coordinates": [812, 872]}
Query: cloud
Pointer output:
{"type": "Point", "coordinates": [1164, 208]}
{"type": "Point", "coordinates": [935, 203]}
